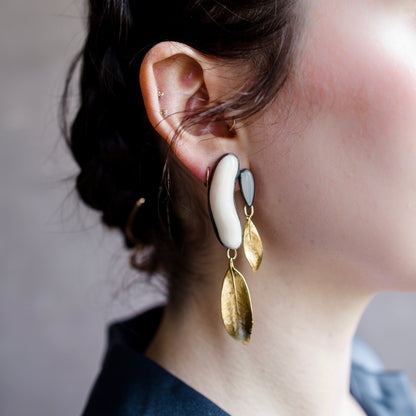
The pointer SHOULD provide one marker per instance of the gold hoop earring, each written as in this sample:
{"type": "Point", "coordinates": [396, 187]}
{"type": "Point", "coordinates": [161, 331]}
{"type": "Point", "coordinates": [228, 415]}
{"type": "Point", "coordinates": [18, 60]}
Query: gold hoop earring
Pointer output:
{"type": "Point", "coordinates": [132, 216]}
{"type": "Point", "coordinates": [130, 235]}
{"type": "Point", "coordinates": [232, 128]}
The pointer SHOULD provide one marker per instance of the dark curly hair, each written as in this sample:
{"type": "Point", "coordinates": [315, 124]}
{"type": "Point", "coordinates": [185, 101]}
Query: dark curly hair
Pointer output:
{"type": "Point", "coordinates": [121, 158]}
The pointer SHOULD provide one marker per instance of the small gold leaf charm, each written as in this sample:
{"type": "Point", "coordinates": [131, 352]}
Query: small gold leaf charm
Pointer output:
{"type": "Point", "coordinates": [236, 309]}
{"type": "Point", "coordinates": [253, 247]}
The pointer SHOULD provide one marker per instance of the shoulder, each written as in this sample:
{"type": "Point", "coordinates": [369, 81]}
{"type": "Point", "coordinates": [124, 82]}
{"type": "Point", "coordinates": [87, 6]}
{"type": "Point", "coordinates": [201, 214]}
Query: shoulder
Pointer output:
{"type": "Point", "coordinates": [378, 390]}
{"type": "Point", "coordinates": [364, 356]}
{"type": "Point", "coordinates": [131, 384]}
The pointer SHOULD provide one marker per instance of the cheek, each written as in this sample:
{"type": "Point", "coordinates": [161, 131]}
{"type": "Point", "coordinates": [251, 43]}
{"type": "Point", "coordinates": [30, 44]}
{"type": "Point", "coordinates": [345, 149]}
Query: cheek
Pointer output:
{"type": "Point", "coordinates": [351, 187]}
{"type": "Point", "coordinates": [367, 104]}
{"type": "Point", "coordinates": [364, 75]}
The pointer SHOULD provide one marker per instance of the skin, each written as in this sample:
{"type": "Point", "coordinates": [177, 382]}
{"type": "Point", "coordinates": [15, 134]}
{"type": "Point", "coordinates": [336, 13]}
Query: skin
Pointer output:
{"type": "Point", "coordinates": [354, 162]}
{"type": "Point", "coordinates": [335, 206]}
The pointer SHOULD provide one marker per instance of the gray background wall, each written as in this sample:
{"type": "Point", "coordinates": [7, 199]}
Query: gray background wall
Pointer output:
{"type": "Point", "coordinates": [62, 275]}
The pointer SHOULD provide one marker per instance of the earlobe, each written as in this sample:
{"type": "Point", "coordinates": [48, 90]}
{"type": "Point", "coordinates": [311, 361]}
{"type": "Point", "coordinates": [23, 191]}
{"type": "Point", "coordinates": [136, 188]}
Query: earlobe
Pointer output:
{"type": "Point", "coordinates": [176, 81]}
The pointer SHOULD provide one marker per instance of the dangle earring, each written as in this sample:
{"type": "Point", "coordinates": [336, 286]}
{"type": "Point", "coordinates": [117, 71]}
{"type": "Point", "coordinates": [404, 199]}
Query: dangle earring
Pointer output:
{"type": "Point", "coordinates": [253, 247]}
{"type": "Point", "coordinates": [236, 308]}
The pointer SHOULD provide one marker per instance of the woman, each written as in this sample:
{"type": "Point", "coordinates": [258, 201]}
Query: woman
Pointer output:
{"type": "Point", "coordinates": [315, 100]}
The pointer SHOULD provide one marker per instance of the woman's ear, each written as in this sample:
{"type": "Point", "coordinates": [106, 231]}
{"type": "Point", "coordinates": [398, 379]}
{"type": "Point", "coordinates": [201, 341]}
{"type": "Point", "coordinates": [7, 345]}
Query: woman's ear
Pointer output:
{"type": "Point", "coordinates": [176, 80]}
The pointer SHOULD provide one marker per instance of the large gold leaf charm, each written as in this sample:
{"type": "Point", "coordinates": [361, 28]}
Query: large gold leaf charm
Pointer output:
{"type": "Point", "coordinates": [253, 247]}
{"type": "Point", "coordinates": [236, 309]}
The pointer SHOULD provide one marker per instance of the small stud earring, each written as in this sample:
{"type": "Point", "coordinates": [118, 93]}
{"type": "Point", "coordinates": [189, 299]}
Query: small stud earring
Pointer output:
{"type": "Point", "coordinates": [160, 93]}
{"type": "Point", "coordinates": [163, 112]}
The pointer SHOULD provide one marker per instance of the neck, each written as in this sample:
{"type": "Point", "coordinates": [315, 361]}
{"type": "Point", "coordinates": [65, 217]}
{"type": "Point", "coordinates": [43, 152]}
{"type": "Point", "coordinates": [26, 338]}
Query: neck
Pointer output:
{"type": "Point", "coordinates": [298, 362]}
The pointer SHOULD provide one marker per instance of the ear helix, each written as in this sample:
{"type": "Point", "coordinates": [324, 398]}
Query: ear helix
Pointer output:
{"type": "Point", "coordinates": [236, 308]}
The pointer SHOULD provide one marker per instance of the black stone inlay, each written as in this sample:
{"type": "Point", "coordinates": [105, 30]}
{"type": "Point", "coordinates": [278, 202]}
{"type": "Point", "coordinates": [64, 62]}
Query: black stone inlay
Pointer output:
{"type": "Point", "coordinates": [247, 186]}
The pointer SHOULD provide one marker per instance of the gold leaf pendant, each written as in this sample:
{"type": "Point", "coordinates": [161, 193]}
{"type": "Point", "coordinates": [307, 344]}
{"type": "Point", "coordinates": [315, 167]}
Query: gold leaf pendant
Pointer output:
{"type": "Point", "coordinates": [253, 247]}
{"type": "Point", "coordinates": [236, 309]}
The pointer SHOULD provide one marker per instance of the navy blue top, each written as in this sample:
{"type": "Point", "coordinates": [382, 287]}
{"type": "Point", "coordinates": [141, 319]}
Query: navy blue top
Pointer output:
{"type": "Point", "coordinates": [129, 384]}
